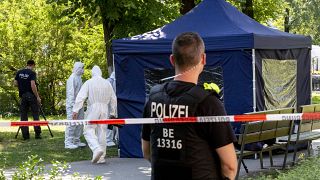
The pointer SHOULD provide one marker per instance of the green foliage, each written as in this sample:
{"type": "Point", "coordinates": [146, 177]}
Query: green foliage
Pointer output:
{"type": "Point", "coordinates": [124, 17]}
{"type": "Point", "coordinates": [307, 169]}
{"type": "Point", "coordinates": [121, 18]}
{"type": "Point", "coordinates": [2, 176]}
{"type": "Point", "coordinates": [305, 18]}
{"type": "Point", "coordinates": [98, 178]}
{"type": "Point", "coordinates": [30, 169]}
{"type": "Point", "coordinates": [34, 29]}
{"type": "Point", "coordinates": [56, 33]}
{"type": "Point", "coordinates": [58, 168]}
{"type": "Point", "coordinates": [33, 168]}
{"type": "Point", "coordinates": [315, 98]}
{"type": "Point", "coordinates": [264, 10]}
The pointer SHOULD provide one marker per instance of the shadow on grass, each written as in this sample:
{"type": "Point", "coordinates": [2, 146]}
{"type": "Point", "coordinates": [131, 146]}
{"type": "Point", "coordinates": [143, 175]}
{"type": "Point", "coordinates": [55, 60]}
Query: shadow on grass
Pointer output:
{"type": "Point", "coordinates": [14, 151]}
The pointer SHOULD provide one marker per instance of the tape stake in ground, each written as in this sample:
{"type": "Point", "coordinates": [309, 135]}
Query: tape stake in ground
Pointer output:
{"type": "Point", "coordinates": [229, 118]}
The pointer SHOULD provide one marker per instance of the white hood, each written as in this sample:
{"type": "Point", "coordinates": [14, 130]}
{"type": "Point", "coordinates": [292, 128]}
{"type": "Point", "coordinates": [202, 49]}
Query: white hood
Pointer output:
{"type": "Point", "coordinates": [102, 100]}
{"type": "Point", "coordinates": [78, 68]}
{"type": "Point", "coordinates": [96, 71]}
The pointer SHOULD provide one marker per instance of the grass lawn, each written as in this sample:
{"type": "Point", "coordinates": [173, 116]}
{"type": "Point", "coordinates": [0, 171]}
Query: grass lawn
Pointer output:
{"type": "Point", "coordinates": [307, 169]}
{"type": "Point", "coordinates": [14, 151]}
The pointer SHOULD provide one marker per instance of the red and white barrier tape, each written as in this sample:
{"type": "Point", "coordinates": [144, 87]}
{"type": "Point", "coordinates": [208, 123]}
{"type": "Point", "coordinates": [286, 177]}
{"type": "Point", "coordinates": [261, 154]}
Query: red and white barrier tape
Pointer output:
{"type": "Point", "coordinates": [230, 118]}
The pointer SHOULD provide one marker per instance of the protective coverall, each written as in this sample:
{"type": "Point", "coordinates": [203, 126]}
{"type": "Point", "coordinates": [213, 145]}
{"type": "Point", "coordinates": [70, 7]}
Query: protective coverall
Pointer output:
{"type": "Point", "coordinates": [112, 134]}
{"type": "Point", "coordinates": [101, 104]}
{"type": "Point", "coordinates": [73, 132]}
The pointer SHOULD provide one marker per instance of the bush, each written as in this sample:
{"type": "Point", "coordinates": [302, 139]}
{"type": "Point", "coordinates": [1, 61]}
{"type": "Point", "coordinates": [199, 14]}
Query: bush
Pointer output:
{"type": "Point", "coordinates": [33, 168]}
{"type": "Point", "coordinates": [2, 177]}
{"type": "Point", "coordinates": [315, 99]}
{"type": "Point", "coordinates": [30, 169]}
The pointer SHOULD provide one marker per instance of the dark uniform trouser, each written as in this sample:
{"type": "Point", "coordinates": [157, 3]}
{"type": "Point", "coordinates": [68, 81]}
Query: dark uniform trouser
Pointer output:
{"type": "Point", "coordinates": [29, 100]}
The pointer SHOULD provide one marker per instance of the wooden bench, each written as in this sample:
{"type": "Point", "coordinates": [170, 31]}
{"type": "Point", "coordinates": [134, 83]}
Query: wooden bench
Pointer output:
{"type": "Point", "coordinates": [306, 130]}
{"type": "Point", "coordinates": [253, 132]}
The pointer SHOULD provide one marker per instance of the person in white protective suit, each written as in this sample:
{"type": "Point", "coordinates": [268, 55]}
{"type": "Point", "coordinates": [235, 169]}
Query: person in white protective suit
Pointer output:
{"type": "Point", "coordinates": [112, 132]}
{"type": "Point", "coordinates": [101, 105]}
{"type": "Point", "coordinates": [73, 132]}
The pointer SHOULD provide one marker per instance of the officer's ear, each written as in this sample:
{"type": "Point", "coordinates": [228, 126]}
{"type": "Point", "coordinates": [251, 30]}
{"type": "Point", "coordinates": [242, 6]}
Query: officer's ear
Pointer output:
{"type": "Point", "coordinates": [203, 58]}
{"type": "Point", "coordinates": [172, 60]}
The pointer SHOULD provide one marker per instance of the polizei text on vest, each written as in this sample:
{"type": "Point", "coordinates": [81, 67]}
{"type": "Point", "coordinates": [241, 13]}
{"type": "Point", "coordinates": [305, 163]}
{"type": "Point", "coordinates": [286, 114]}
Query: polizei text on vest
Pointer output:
{"type": "Point", "coordinates": [168, 110]}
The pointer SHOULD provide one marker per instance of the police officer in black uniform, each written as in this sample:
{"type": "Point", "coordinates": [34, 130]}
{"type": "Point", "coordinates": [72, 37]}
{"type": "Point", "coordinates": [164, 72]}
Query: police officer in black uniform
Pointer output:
{"type": "Point", "coordinates": [26, 81]}
{"type": "Point", "coordinates": [198, 151]}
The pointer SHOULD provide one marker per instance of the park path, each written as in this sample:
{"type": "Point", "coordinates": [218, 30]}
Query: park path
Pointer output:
{"type": "Point", "coordinates": [139, 169]}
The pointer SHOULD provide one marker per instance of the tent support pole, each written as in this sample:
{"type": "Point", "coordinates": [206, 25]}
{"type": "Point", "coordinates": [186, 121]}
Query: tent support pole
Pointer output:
{"type": "Point", "coordinates": [312, 71]}
{"type": "Point", "coordinates": [113, 63]}
{"type": "Point", "coordinates": [254, 80]}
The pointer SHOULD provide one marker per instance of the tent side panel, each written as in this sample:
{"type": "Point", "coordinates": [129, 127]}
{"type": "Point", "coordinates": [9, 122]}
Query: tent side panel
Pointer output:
{"type": "Point", "coordinates": [131, 96]}
{"type": "Point", "coordinates": [303, 89]}
{"type": "Point", "coordinates": [237, 78]}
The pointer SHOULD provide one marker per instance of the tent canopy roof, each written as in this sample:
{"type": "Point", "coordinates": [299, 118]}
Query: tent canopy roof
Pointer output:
{"type": "Point", "coordinates": [221, 26]}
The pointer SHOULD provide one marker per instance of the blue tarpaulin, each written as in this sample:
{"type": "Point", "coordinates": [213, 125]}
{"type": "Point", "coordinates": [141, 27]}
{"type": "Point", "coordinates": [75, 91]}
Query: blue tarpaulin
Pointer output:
{"type": "Point", "coordinates": [229, 37]}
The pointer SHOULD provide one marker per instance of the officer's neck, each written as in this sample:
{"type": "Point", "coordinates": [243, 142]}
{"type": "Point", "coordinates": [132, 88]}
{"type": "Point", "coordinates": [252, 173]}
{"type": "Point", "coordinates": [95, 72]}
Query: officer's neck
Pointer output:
{"type": "Point", "coordinates": [191, 77]}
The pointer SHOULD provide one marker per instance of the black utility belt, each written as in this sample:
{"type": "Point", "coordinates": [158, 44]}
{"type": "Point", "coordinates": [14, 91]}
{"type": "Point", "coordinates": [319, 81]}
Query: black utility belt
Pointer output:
{"type": "Point", "coordinates": [27, 94]}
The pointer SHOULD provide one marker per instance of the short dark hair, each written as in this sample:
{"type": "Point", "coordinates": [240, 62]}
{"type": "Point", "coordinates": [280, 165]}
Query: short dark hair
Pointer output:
{"type": "Point", "coordinates": [187, 48]}
{"type": "Point", "coordinates": [31, 62]}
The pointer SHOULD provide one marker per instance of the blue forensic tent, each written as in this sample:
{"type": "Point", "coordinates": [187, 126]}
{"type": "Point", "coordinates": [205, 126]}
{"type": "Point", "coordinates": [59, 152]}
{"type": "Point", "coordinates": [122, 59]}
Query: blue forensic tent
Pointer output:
{"type": "Point", "coordinates": [245, 49]}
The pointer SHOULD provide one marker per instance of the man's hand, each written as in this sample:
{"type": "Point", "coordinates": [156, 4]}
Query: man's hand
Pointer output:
{"type": "Point", "coordinates": [228, 160]}
{"type": "Point", "coordinates": [74, 115]}
{"type": "Point", "coordinates": [35, 91]}
{"type": "Point", "coordinates": [15, 82]}
{"type": "Point", "coordinates": [39, 100]}
{"type": "Point", "coordinates": [146, 149]}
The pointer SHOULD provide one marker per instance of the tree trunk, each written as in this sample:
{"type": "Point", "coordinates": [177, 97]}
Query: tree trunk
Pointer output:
{"type": "Point", "coordinates": [186, 6]}
{"type": "Point", "coordinates": [107, 34]}
{"type": "Point", "coordinates": [286, 21]}
{"type": "Point", "coordinates": [247, 8]}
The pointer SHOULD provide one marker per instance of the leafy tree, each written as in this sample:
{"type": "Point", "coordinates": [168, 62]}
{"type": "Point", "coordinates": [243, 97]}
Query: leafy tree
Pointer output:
{"type": "Point", "coordinates": [18, 42]}
{"type": "Point", "coordinates": [294, 16]}
{"type": "Point", "coordinates": [57, 33]}
{"type": "Point", "coordinates": [186, 6]}
{"type": "Point", "coordinates": [33, 29]}
{"type": "Point", "coordinates": [247, 8]}
{"type": "Point", "coordinates": [122, 18]}
{"type": "Point", "coordinates": [261, 10]}
{"type": "Point", "coordinates": [303, 17]}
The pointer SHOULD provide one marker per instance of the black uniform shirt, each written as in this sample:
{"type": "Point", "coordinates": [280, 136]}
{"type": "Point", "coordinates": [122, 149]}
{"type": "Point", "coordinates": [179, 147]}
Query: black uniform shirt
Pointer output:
{"type": "Point", "coordinates": [24, 78]}
{"type": "Point", "coordinates": [210, 135]}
